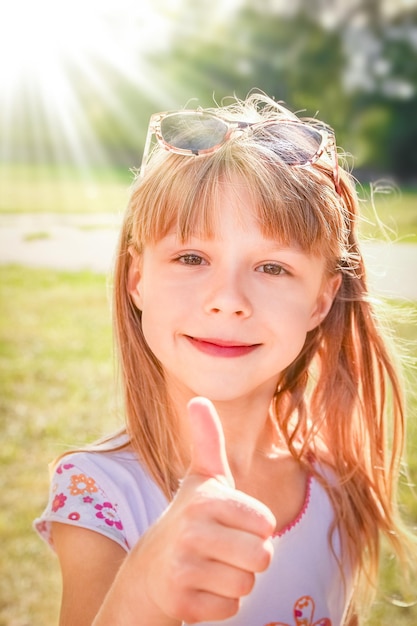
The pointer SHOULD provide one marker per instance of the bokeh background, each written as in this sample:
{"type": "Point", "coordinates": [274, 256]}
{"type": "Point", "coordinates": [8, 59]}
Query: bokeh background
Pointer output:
{"type": "Point", "coordinates": [78, 83]}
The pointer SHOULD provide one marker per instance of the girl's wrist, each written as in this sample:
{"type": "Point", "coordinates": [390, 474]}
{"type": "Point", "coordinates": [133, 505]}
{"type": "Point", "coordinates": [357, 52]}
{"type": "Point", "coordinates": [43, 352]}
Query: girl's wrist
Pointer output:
{"type": "Point", "coordinates": [128, 603]}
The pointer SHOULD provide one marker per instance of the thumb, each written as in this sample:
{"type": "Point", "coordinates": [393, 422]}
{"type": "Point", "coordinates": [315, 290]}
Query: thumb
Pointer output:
{"type": "Point", "coordinates": [208, 454]}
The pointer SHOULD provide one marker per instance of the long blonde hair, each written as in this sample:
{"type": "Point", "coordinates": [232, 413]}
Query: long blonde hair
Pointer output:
{"type": "Point", "coordinates": [340, 401]}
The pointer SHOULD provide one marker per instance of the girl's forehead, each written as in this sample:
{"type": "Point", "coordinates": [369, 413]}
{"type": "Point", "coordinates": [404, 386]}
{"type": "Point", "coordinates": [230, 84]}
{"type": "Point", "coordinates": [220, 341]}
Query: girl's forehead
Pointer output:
{"type": "Point", "coordinates": [201, 202]}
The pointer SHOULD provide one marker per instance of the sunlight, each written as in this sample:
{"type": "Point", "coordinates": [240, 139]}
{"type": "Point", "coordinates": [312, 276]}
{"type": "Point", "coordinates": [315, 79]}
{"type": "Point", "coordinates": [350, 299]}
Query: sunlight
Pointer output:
{"type": "Point", "coordinates": [54, 62]}
{"type": "Point", "coordinates": [36, 38]}
{"type": "Point", "coordinates": [77, 82]}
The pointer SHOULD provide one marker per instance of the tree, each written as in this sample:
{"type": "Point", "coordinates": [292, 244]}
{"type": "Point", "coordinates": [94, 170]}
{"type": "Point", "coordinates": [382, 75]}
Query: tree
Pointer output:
{"type": "Point", "coordinates": [307, 60]}
{"type": "Point", "coordinates": [291, 58]}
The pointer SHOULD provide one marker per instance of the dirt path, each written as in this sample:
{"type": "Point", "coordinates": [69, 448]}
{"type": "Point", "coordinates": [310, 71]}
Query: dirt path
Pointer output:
{"type": "Point", "coordinates": [75, 242]}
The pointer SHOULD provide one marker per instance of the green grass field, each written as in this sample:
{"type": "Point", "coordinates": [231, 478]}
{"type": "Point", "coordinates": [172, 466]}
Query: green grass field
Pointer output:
{"type": "Point", "coordinates": [56, 390]}
{"type": "Point", "coordinates": [56, 373]}
{"type": "Point", "coordinates": [49, 189]}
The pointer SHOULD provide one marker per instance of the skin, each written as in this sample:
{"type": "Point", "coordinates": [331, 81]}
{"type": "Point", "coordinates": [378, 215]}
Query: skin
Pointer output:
{"type": "Point", "coordinates": [225, 316]}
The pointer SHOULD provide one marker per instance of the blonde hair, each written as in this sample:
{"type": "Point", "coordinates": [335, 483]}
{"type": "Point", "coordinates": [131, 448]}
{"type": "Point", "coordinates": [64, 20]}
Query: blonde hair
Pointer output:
{"type": "Point", "coordinates": [344, 418]}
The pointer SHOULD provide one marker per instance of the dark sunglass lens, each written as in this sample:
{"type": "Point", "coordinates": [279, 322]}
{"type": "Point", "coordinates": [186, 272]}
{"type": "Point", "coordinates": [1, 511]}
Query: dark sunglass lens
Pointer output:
{"type": "Point", "coordinates": [193, 131]}
{"type": "Point", "coordinates": [295, 144]}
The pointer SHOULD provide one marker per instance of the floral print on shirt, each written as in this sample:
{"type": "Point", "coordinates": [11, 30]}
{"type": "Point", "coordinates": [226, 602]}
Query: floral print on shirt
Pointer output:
{"type": "Point", "coordinates": [77, 498]}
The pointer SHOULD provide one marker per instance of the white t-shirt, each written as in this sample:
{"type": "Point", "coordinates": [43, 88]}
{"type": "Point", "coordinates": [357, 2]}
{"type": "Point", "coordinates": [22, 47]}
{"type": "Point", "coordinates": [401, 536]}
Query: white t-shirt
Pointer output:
{"type": "Point", "coordinates": [111, 493]}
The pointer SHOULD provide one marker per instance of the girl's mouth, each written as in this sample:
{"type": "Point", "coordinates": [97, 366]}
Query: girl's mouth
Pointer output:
{"type": "Point", "coordinates": [221, 347]}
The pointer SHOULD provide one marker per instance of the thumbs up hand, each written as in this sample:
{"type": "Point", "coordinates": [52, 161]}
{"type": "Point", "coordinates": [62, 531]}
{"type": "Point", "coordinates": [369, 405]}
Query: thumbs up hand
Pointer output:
{"type": "Point", "coordinates": [208, 454]}
{"type": "Point", "coordinates": [202, 555]}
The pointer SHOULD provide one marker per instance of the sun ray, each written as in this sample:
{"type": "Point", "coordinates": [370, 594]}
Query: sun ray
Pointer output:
{"type": "Point", "coordinates": [78, 82]}
{"type": "Point", "coordinates": [50, 52]}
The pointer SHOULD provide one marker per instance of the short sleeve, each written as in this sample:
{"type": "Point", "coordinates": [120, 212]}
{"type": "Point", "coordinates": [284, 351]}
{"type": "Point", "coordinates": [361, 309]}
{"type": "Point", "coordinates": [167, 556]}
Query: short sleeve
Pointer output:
{"type": "Point", "coordinates": [77, 498]}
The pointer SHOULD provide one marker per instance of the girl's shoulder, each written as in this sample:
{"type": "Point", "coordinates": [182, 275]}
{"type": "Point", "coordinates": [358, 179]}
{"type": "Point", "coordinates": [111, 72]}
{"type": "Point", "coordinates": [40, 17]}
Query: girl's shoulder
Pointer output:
{"type": "Point", "coordinates": [113, 468]}
{"type": "Point", "coordinates": [108, 491]}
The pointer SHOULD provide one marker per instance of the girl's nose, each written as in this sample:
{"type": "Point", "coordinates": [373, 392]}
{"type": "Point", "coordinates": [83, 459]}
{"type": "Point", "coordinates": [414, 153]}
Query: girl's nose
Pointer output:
{"type": "Point", "coordinates": [227, 294]}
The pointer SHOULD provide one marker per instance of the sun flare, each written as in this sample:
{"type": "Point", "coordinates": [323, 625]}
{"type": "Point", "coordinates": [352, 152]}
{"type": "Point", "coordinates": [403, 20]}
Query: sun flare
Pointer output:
{"type": "Point", "coordinates": [55, 63]}
{"type": "Point", "coordinates": [79, 80]}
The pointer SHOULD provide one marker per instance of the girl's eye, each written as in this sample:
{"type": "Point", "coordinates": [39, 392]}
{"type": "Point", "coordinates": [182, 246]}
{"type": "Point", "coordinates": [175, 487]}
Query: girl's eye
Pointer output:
{"type": "Point", "coordinates": [190, 259]}
{"type": "Point", "coordinates": [271, 268]}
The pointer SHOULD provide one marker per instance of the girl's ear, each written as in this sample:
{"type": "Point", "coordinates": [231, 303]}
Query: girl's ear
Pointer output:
{"type": "Point", "coordinates": [134, 277]}
{"type": "Point", "coordinates": [325, 300]}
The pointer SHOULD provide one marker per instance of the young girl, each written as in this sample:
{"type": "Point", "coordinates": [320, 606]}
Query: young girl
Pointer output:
{"type": "Point", "coordinates": [256, 475]}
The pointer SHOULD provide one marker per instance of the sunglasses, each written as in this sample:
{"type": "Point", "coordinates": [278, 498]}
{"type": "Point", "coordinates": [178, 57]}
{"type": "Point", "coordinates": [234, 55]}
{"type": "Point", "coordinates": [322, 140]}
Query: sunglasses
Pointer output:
{"type": "Point", "coordinates": [191, 132]}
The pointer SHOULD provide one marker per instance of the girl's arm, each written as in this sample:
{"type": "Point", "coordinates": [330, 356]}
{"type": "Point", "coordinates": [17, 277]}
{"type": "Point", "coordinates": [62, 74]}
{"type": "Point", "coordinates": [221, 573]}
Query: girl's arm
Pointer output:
{"type": "Point", "coordinates": [89, 563]}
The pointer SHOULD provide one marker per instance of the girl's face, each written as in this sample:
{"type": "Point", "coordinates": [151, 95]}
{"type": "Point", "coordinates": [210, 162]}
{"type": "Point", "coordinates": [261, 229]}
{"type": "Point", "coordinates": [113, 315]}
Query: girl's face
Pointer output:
{"type": "Point", "coordinates": [226, 315]}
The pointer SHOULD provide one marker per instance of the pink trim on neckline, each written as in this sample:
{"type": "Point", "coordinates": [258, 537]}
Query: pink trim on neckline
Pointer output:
{"type": "Point", "coordinates": [301, 514]}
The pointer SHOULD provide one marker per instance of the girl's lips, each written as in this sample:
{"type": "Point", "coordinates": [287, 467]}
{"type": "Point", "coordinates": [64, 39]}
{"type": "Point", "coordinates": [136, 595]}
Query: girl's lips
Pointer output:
{"type": "Point", "coordinates": [221, 348]}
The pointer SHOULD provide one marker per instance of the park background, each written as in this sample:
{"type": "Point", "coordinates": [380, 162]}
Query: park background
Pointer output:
{"type": "Point", "coordinates": [78, 83]}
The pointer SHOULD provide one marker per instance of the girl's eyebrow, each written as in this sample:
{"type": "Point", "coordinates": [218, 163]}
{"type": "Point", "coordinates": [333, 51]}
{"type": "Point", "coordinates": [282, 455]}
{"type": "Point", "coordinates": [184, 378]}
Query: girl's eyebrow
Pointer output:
{"type": "Point", "coordinates": [269, 245]}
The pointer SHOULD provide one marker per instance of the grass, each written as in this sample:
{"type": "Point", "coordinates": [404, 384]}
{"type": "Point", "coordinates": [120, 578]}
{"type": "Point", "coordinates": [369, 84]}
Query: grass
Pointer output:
{"type": "Point", "coordinates": [50, 189]}
{"type": "Point", "coordinates": [56, 377]}
{"type": "Point", "coordinates": [390, 213]}
{"type": "Point", "coordinates": [56, 373]}
{"type": "Point", "coordinates": [35, 236]}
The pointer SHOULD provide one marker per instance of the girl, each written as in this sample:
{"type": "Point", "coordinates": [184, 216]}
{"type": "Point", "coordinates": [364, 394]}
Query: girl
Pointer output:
{"type": "Point", "coordinates": [254, 480]}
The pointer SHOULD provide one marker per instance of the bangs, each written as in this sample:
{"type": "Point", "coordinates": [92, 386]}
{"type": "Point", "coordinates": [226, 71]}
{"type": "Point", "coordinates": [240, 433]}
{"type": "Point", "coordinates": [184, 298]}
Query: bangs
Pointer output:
{"type": "Point", "coordinates": [183, 194]}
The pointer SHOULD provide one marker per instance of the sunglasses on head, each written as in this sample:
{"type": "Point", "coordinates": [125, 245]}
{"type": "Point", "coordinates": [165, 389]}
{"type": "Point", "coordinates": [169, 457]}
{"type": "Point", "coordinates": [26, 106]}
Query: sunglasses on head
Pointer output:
{"type": "Point", "coordinates": [189, 132]}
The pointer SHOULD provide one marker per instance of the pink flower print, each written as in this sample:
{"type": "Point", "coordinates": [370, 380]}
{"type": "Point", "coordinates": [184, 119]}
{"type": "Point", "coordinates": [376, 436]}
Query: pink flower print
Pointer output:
{"type": "Point", "coordinates": [64, 466]}
{"type": "Point", "coordinates": [80, 483]}
{"type": "Point", "coordinates": [107, 513]}
{"type": "Point", "coordinates": [88, 499]}
{"type": "Point", "coordinates": [58, 502]}
{"type": "Point", "coordinates": [42, 527]}
{"type": "Point", "coordinates": [304, 614]}
{"type": "Point", "coordinates": [74, 516]}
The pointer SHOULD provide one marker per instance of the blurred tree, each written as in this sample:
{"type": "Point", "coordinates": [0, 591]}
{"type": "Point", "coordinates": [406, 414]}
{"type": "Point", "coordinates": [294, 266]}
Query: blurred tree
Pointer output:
{"type": "Point", "coordinates": [354, 65]}
{"type": "Point", "coordinates": [385, 101]}
{"type": "Point", "coordinates": [292, 58]}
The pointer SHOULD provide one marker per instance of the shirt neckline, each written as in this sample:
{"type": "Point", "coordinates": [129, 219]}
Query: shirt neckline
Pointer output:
{"type": "Point", "coordinates": [288, 527]}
